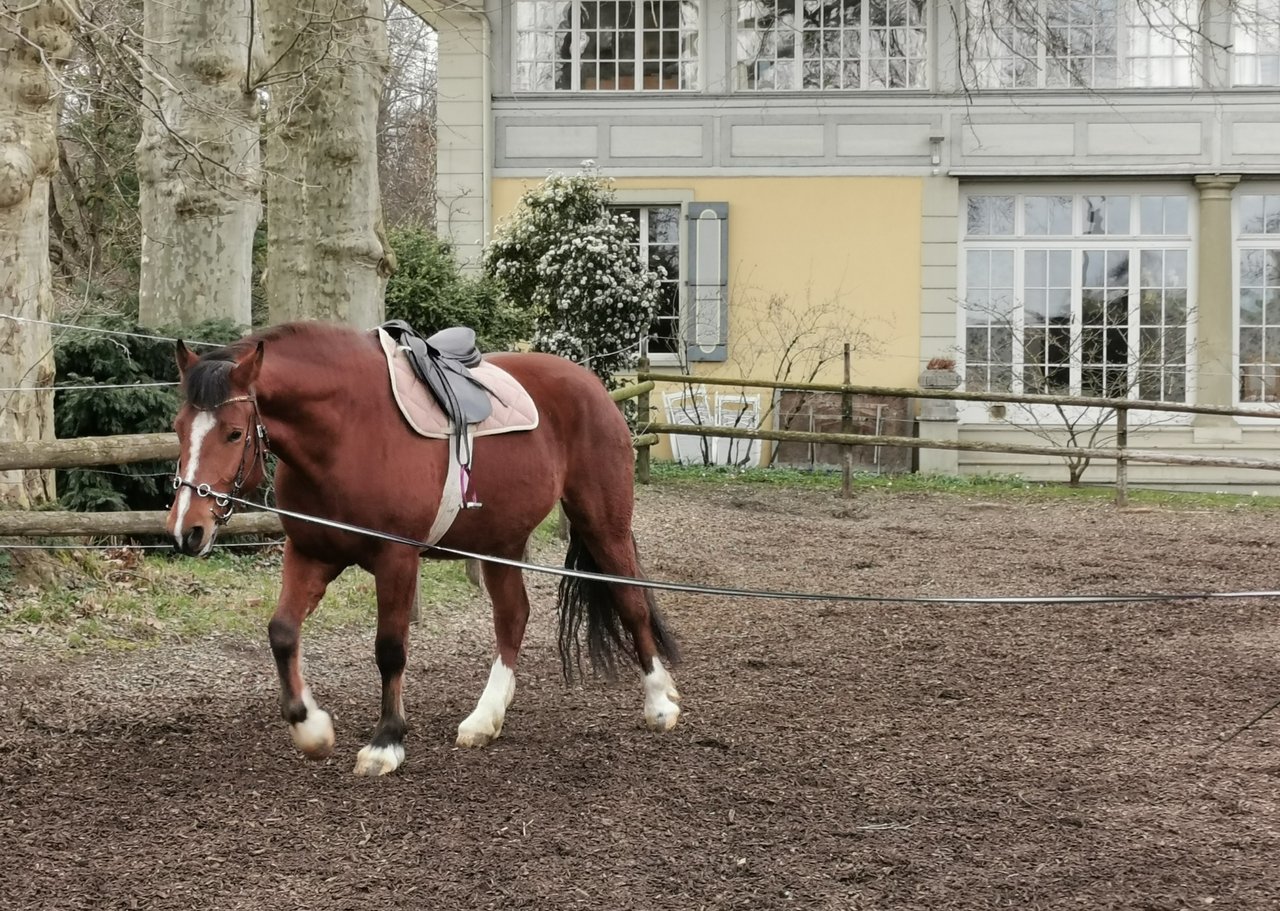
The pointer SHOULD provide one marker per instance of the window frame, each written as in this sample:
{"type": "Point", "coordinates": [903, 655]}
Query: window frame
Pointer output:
{"type": "Point", "coordinates": [679, 199]}
{"type": "Point", "coordinates": [1124, 57]}
{"type": "Point", "coordinates": [1272, 53]}
{"type": "Point", "coordinates": [739, 79]}
{"type": "Point", "coordinates": [698, 59]}
{"type": "Point", "coordinates": [1076, 243]}
{"type": "Point", "coordinates": [1239, 243]}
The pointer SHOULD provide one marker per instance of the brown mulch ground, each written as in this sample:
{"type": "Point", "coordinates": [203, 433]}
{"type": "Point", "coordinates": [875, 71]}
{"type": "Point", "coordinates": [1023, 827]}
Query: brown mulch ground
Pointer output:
{"type": "Point", "coordinates": [854, 755]}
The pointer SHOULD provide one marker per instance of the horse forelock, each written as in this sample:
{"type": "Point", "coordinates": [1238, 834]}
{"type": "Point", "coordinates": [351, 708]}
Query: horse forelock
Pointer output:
{"type": "Point", "coordinates": [208, 382]}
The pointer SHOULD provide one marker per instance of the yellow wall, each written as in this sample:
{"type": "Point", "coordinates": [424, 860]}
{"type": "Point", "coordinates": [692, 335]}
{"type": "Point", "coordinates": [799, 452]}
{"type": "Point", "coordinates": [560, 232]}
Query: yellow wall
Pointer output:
{"type": "Point", "coordinates": [849, 244]}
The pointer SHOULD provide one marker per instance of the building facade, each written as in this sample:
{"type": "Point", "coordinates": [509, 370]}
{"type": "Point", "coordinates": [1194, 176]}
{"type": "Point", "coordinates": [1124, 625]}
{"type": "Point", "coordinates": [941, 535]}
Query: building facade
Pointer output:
{"type": "Point", "coordinates": [1063, 196]}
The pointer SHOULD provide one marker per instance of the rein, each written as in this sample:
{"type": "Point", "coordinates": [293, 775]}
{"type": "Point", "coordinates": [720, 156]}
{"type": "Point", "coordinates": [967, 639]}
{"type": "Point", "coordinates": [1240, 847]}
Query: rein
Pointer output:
{"type": "Point", "coordinates": [225, 503]}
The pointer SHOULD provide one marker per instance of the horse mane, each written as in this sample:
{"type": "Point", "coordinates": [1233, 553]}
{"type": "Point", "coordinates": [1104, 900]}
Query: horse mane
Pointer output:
{"type": "Point", "coordinates": [208, 382]}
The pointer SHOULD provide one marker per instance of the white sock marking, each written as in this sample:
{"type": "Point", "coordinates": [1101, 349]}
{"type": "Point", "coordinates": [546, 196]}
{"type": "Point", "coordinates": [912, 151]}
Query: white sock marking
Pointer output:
{"type": "Point", "coordinates": [203, 422]}
{"type": "Point", "coordinates": [313, 735]}
{"type": "Point", "coordinates": [372, 760]}
{"type": "Point", "coordinates": [485, 723]}
{"type": "Point", "coordinates": [660, 695]}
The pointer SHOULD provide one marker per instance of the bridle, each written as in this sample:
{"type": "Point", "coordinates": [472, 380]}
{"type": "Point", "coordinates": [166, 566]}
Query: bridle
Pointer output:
{"type": "Point", "coordinates": [224, 503]}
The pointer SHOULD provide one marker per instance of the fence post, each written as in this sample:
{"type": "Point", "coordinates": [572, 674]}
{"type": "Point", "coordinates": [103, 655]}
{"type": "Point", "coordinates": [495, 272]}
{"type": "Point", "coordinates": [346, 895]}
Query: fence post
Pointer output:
{"type": "Point", "coordinates": [1122, 464]}
{"type": "Point", "coordinates": [643, 418]}
{"type": "Point", "coordinates": [846, 426]}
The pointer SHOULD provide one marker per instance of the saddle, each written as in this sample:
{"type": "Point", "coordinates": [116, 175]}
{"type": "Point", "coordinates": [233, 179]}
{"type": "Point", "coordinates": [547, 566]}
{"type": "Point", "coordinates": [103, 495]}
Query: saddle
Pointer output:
{"type": "Point", "coordinates": [443, 361]}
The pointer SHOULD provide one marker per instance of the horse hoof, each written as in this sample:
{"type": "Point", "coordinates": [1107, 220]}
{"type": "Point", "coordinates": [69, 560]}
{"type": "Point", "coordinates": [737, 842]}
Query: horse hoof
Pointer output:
{"type": "Point", "coordinates": [663, 719]}
{"type": "Point", "coordinates": [475, 737]}
{"type": "Point", "coordinates": [373, 761]}
{"type": "Point", "coordinates": [314, 736]}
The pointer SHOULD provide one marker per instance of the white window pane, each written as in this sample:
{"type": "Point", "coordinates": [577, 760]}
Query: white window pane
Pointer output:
{"type": "Point", "coordinates": [604, 45]}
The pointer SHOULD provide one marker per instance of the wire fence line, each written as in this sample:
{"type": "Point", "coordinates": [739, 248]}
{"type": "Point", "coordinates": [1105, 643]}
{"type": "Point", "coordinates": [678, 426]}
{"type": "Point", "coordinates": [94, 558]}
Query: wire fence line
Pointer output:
{"type": "Point", "coordinates": [103, 331]}
{"type": "Point", "coordinates": [639, 345]}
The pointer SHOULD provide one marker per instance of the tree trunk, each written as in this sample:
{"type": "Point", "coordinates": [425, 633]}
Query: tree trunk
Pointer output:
{"type": "Point", "coordinates": [32, 42]}
{"type": "Point", "coordinates": [198, 165]}
{"type": "Point", "coordinates": [327, 255]}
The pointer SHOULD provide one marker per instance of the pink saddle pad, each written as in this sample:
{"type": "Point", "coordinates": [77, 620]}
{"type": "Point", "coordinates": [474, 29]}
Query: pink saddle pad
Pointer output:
{"type": "Point", "coordinates": [513, 408]}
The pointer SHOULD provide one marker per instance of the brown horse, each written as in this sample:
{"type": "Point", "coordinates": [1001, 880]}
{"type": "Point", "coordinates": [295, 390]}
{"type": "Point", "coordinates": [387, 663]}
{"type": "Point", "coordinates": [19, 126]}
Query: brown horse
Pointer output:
{"type": "Point", "coordinates": [318, 396]}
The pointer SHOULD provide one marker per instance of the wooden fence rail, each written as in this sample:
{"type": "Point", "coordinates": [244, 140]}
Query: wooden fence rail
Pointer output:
{"type": "Point", "coordinates": [685, 379]}
{"type": "Point", "coordinates": [86, 452]}
{"type": "Point", "coordinates": [1120, 453]}
{"type": "Point", "coordinates": [57, 524]}
{"type": "Point", "coordinates": [855, 439]}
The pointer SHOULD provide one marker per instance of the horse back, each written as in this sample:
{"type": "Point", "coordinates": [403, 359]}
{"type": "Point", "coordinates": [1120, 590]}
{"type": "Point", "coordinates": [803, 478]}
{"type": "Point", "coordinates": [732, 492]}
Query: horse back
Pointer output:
{"type": "Point", "coordinates": [569, 397]}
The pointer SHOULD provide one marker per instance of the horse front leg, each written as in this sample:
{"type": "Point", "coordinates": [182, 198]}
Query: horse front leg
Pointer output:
{"type": "Point", "coordinates": [510, 615]}
{"type": "Point", "coordinates": [396, 578]}
{"type": "Point", "coordinates": [304, 583]}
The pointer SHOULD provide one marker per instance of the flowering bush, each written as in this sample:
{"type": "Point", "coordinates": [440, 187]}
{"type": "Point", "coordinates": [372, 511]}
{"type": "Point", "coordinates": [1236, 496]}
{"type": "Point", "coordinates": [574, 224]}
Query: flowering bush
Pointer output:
{"type": "Point", "coordinates": [573, 261]}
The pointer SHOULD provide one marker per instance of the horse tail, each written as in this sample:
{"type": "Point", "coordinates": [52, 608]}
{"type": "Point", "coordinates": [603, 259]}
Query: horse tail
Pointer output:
{"type": "Point", "coordinates": [595, 602]}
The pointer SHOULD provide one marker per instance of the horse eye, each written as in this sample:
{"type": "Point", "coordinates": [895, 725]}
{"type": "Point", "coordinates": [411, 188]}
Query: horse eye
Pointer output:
{"type": "Point", "coordinates": [234, 435]}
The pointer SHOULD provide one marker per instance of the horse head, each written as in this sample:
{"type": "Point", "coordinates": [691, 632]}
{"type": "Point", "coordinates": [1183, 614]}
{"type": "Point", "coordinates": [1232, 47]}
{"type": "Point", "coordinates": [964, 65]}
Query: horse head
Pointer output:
{"type": "Point", "coordinates": [221, 439]}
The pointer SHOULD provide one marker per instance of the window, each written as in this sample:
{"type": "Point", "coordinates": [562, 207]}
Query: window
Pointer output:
{"type": "Point", "coordinates": [659, 247]}
{"type": "Point", "coordinates": [1015, 44]}
{"type": "Point", "coordinates": [692, 319]}
{"type": "Point", "coordinates": [1255, 45]}
{"type": "Point", "coordinates": [837, 44]}
{"type": "Point", "coordinates": [1258, 296]}
{"type": "Point", "coordinates": [606, 45]}
{"type": "Point", "coordinates": [1077, 293]}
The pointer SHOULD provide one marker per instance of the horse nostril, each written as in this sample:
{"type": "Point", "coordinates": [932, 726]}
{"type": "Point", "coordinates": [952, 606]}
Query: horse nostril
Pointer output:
{"type": "Point", "coordinates": [191, 540]}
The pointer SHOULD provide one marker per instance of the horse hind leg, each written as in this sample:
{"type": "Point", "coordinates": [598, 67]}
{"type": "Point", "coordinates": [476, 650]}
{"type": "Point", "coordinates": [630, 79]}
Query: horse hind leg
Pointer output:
{"type": "Point", "coordinates": [615, 613]}
{"type": "Point", "coordinates": [506, 589]}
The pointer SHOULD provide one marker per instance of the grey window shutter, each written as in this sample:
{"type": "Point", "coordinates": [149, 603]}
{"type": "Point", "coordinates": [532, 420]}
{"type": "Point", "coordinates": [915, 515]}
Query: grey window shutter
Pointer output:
{"type": "Point", "coordinates": [706, 323]}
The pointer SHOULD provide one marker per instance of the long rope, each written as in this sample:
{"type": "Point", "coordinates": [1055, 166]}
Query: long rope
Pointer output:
{"type": "Point", "coordinates": [693, 588]}
{"type": "Point", "coordinates": [798, 596]}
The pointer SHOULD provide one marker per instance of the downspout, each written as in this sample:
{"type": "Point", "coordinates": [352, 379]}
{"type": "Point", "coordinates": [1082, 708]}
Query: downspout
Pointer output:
{"type": "Point", "coordinates": [487, 133]}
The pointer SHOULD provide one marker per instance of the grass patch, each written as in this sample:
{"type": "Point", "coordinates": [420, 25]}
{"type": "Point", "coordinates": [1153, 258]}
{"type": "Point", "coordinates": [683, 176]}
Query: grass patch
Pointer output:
{"type": "Point", "coordinates": [124, 600]}
{"type": "Point", "coordinates": [988, 486]}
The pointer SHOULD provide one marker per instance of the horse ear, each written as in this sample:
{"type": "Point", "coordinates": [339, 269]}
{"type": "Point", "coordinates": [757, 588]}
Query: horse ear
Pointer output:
{"type": "Point", "coordinates": [185, 358]}
{"type": "Point", "coordinates": [247, 368]}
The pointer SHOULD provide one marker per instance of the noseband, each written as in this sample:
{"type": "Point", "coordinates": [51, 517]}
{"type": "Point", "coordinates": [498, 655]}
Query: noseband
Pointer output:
{"type": "Point", "coordinates": [224, 504]}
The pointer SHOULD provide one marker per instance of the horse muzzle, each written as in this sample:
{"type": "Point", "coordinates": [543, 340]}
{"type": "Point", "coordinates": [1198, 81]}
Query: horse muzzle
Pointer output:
{"type": "Point", "coordinates": [194, 542]}
{"type": "Point", "coordinates": [193, 522]}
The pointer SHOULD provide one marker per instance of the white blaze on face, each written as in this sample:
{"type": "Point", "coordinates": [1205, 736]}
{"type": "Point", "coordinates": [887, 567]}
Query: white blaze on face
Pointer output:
{"type": "Point", "coordinates": [203, 422]}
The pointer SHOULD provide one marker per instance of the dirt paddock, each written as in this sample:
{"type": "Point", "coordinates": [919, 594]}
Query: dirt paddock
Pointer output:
{"type": "Point", "coordinates": [845, 756]}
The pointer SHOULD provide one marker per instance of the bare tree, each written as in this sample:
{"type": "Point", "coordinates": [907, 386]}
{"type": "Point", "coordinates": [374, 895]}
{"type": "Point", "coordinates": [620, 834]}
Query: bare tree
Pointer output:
{"type": "Point", "coordinates": [407, 123]}
{"type": "Point", "coordinates": [327, 255]}
{"type": "Point", "coordinates": [95, 237]}
{"type": "Point", "coordinates": [35, 46]}
{"type": "Point", "coordinates": [1094, 356]}
{"type": "Point", "coordinates": [198, 162]}
{"type": "Point", "coordinates": [788, 340]}
{"type": "Point", "coordinates": [806, 337]}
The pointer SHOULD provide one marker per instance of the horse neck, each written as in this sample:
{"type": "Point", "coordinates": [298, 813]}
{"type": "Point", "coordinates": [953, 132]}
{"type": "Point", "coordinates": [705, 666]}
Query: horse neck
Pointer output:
{"type": "Point", "coordinates": [308, 406]}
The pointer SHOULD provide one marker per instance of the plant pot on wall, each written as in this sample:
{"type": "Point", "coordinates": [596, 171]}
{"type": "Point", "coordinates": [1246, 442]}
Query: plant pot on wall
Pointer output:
{"type": "Point", "coordinates": [940, 373]}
